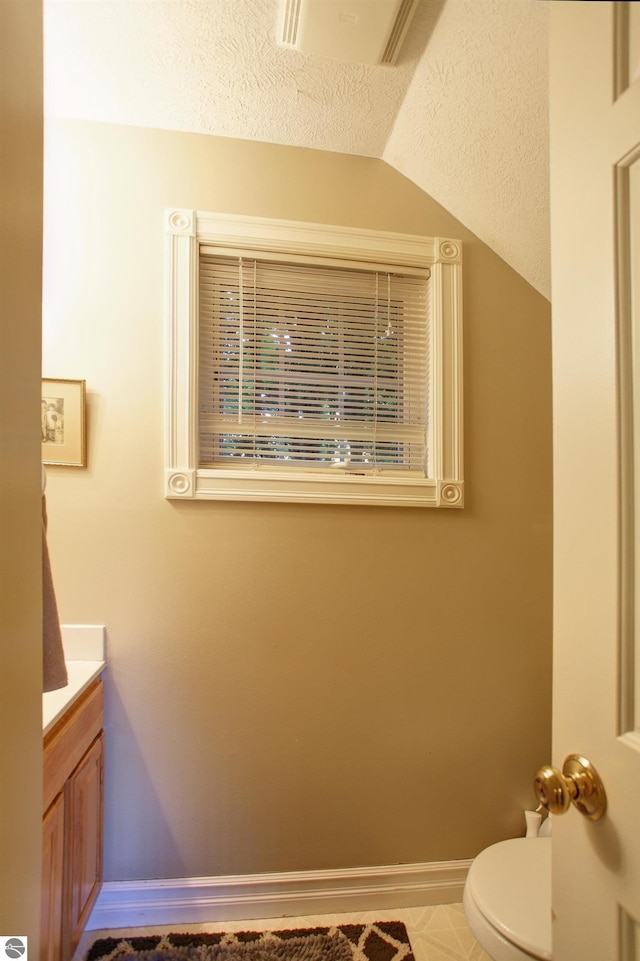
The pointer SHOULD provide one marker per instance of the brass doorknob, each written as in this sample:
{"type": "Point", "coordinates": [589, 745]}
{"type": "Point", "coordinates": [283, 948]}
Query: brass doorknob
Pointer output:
{"type": "Point", "coordinates": [578, 783]}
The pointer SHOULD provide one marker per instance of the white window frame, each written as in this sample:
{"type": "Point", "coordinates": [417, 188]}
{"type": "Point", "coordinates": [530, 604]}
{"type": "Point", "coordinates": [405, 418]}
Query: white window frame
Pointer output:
{"type": "Point", "coordinates": [184, 479]}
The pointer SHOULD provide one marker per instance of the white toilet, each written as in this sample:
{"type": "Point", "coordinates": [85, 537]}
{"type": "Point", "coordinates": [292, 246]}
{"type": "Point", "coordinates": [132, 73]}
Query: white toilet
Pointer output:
{"type": "Point", "coordinates": [507, 899]}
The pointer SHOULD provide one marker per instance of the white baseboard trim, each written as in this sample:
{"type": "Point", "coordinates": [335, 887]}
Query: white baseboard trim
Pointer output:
{"type": "Point", "coordinates": [124, 904]}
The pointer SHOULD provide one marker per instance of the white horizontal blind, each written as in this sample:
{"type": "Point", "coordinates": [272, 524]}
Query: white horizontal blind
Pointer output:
{"type": "Point", "coordinates": [310, 366]}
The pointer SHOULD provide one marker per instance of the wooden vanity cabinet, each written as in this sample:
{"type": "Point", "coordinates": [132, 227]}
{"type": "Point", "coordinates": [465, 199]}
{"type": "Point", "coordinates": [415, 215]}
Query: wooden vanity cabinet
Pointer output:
{"type": "Point", "coordinates": [72, 824]}
{"type": "Point", "coordinates": [52, 872]}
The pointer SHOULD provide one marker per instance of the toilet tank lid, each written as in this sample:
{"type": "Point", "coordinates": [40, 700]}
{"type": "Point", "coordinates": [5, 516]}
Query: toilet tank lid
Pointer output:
{"type": "Point", "coordinates": [510, 883]}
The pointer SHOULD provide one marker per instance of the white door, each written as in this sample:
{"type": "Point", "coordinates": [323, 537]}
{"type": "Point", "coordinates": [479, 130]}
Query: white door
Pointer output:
{"type": "Point", "coordinates": [595, 204]}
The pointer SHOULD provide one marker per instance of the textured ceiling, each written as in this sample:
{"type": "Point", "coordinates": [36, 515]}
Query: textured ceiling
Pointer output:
{"type": "Point", "coordinates": [462, 113]}
{"type": "Point", "coordinates": [473, 128]}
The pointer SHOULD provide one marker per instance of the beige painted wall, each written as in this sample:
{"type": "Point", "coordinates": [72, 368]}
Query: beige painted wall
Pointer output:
{"type": "Point", "coordinates": [293, 686]}
{"type": "Point", "coordinates": [20, 479]}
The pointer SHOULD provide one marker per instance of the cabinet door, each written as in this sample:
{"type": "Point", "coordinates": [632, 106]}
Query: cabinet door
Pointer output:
{"type": "Point", "coordinates": [52, 881]}
{"type": "Point", "coordinates": [84, 843]}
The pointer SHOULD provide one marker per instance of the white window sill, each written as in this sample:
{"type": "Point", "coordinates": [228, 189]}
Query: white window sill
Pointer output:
{"type": "Point", "coordinates": [338, 488]}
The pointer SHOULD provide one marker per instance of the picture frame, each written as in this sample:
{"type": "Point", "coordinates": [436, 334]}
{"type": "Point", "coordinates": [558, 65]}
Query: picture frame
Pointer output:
{"type": "Point", "coordinates": [63, 422]}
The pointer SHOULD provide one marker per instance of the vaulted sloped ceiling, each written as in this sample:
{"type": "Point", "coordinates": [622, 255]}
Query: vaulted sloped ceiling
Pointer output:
{"type": "Point", "coordinates": [463, 113]}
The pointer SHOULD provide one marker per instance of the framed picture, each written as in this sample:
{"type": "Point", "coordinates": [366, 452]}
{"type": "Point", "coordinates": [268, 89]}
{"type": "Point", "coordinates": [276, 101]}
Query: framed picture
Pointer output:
{"type": "Point", "coordinates": [63, 422]}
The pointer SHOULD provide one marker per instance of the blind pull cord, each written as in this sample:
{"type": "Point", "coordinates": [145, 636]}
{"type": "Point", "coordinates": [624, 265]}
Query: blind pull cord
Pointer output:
{"type": "Point", "coordinates": [375, 383]}
{"type": "Point", "coordinates": [255, 353]}
{"type": "Point", "coordinates": [241, 346]}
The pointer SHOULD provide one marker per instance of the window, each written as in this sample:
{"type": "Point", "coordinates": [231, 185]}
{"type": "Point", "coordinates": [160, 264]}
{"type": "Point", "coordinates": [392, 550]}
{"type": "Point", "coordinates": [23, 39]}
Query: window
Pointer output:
{"type": "Point", "coordinates": [312, 363]}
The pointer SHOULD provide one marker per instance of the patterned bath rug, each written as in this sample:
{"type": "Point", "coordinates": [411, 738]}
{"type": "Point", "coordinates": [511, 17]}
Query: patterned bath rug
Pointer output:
{"type": "Point", "coordinates": [382, 941]}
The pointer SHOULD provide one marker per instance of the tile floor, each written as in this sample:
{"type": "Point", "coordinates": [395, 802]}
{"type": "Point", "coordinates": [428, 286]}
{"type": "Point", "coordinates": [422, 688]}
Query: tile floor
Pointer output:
{"type": "Point", "coordinates": [437, 933]}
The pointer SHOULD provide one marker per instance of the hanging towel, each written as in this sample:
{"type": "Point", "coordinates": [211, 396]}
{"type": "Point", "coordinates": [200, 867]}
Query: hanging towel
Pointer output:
{"type": "Point", "coordinates": [54, 669]}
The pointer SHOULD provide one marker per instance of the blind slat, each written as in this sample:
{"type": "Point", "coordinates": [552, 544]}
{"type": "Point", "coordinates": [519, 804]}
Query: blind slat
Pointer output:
{"type": "Point", "coordinates": [311, 364]}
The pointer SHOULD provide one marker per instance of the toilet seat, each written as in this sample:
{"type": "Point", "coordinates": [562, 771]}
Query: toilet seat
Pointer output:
{"type": "Point", "coordinates": [507, 899]}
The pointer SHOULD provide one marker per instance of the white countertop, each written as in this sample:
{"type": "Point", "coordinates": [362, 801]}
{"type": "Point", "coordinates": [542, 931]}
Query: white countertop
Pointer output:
{"type": "Point", "coordinates": [78, 641]}
{"type": "Point", "coordinates": [55, 703]}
